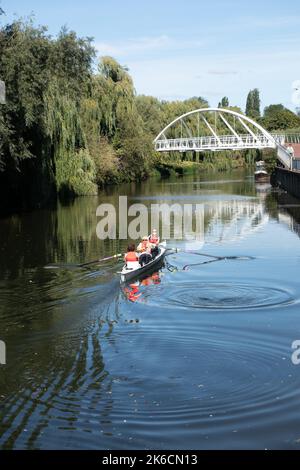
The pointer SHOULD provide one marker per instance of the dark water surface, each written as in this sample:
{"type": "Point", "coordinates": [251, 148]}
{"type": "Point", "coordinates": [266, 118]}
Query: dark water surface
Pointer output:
{"type": "Point", "coordinates": [201, 359]}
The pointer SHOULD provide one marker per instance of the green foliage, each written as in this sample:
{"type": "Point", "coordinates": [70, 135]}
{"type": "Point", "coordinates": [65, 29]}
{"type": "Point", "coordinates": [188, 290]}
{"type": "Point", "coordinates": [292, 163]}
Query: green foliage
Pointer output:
{"type": "Point", "coordinates": [41, 132]}
{"type": "Point", "coordinates": [100, 150]}
{"type": "Point", "coordinates": [224, 103]}
{"type": "Point", "coordinates": [23, 52]}
{"type": "Point", "coordinates": [270, 158]}
{"type": "Point", "coordinates": [253, 104]}
{"type": "Point", "coordinates": [74, 168]}
{"type": "Point", "coordinates": [127, 147]}
{"type": "Point", "coordinates": [276, 116]}
{"type": "Point", "coordinates": [152, 112]}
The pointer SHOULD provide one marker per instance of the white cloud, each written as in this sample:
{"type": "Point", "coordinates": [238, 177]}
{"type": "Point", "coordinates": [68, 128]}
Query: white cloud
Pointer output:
{"type": "Point", "coordinates": [134, 46]}
{"type": "Point", "coordinates": [170, 67]}
{"type": "Point", "coordinates": [186, 77]}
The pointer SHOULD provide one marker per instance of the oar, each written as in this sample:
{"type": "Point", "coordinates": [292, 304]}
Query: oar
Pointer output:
{"type": "Point", "coordinates": [220, 258]}
{"type": "Point", "coordinates": [82, 265]}
{"type": "Point", "coordinates": [176, 250]}
{"type": "Point", "coordinates": [187, 266]}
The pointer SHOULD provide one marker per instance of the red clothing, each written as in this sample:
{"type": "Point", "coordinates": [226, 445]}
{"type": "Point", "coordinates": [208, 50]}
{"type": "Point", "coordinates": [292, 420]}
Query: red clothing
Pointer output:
{"type": "Point", "coordinates": [131, 256]}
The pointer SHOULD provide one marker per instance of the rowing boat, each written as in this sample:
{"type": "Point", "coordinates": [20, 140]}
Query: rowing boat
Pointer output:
{"type": "Point", "coordinates": [128, 274]}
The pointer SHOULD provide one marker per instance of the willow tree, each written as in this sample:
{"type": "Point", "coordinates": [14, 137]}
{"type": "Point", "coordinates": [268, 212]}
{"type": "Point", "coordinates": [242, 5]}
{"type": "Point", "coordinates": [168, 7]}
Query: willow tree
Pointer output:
{"type": "Point", "coordinates": [73, 166]}
{"type": "Point", "coordinates": [100, 149]}
{"type": "Point", "coordinates": [120, 121]}
{"type": "Point", "coordinates": [151, 111]}
{"type": "Point", "coordinates": [71, 65]}
{"type": "Point", "coordinates": [115, 91]}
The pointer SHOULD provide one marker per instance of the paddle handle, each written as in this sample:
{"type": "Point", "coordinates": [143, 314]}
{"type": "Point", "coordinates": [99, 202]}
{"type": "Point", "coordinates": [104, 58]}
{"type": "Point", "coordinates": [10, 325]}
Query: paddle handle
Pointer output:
{"type": "Point", "coordinates": [99, 260]}
{"type": "Point", "coordinates": [195, 253]}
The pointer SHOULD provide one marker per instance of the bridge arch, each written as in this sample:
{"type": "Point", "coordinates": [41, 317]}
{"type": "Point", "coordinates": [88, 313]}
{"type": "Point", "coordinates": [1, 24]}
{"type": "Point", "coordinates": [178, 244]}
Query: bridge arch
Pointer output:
{"type": "Point", "coordinates": [253, 135]}
{"type": "Point", "coordinates": [219, 111]}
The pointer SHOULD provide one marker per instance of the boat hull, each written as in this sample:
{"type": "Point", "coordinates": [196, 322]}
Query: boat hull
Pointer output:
{"type": "Point", "coordinates": [156, 263]}
{"type": "Point", "coordinates": [262, 178]}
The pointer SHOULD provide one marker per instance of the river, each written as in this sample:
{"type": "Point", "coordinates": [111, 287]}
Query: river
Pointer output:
{"type": "Point", "coordinates": [199, 357]}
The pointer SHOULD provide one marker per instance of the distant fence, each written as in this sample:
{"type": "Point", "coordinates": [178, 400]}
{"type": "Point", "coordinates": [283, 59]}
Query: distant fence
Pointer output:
{"type": "Point", "coordinates": [292, 138]}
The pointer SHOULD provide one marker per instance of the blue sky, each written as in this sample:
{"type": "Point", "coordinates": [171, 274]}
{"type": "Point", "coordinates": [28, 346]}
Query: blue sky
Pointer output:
{"type": "Point", "coordinates": [177, 49]}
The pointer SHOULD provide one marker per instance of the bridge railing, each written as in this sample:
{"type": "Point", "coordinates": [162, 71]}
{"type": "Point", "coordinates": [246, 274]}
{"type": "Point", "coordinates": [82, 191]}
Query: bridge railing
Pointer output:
{"type": "Point", "coordinates": [292, 138]}
{"type": "Point", "coordinates": [280, 138]}
{"type": "Point", "coordinates": [284, 156]}
{"type": "Point", "coordinates": [221, 142]}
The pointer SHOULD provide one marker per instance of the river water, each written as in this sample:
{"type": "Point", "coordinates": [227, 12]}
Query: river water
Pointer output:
{"type": "Point", "coordinates": [195, 357]}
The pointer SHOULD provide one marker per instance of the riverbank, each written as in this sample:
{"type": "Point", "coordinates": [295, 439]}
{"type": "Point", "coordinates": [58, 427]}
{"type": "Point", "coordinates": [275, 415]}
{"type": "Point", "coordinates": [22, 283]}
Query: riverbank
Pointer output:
{"type": "Point", "coordinates": [34, 197]}
{"type": "Point", "coordinates": [190, 163]}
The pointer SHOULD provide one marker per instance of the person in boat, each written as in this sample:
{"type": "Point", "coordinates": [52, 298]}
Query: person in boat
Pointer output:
{"type": "Point", "coordinates": [131, 258]}
{"type": "Point", "coordinates": [154, 240]}
{"type": "Point", "coordinates": [144, 248]}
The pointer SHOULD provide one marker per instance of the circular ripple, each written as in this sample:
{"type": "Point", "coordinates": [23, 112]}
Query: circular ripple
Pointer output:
{"type": "Point", "coordinates": [224, 296]}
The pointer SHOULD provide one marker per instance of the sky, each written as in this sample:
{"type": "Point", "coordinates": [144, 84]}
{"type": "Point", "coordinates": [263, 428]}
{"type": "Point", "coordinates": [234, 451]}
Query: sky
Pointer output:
{"type": "Point", "coordinates": [176, 49]}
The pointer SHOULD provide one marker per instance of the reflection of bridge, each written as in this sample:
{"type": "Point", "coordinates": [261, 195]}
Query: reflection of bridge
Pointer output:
{"type": "Point", "coordinates": [227, 221]}
{"type": "Point", "coordinates": [207, 129]}
{"type": "Point", "coordinates": [234, 220]}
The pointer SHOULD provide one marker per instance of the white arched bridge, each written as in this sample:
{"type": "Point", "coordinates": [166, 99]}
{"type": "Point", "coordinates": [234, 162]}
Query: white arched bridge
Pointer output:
{"type": "Point", "coordinates": [215, 129]}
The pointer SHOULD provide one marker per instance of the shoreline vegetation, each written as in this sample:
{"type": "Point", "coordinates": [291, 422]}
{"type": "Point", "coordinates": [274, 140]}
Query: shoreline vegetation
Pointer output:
{"type": "Point", "coordinates": [70, 127]}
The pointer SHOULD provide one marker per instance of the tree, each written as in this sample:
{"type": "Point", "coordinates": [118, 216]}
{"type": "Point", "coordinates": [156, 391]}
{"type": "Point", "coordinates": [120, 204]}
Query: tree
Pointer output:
{"type": "Point", "coordinates": [115, 93]}
{"type": "Point", "coordinates": [42, 144]}
{"type": "Point", "coordinates": [249, 103]}
{"type": "Point", "coordinates": [276, 117]}
{"type": "Point", "coordinates": [224, 103]}
{"type": "Point", "coordinates": [256, 103]}
{"type": "Point", "coordinates": [253, 104]}
{"type": "Point", "coordinates": [151, 111]}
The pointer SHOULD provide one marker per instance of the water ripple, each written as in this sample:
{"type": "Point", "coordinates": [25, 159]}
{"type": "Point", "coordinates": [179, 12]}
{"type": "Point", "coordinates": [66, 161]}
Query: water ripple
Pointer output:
{"type": "Point", "coordinates": [220, 296]}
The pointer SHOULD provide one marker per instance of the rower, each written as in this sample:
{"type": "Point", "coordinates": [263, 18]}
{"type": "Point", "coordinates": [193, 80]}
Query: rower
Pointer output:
{"type": "Point", "coordinates": [145, 249]}
{"type": "Point", "coordinates": [154, 240]}
{"type": "Point", "coordinates": [131, 258]}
